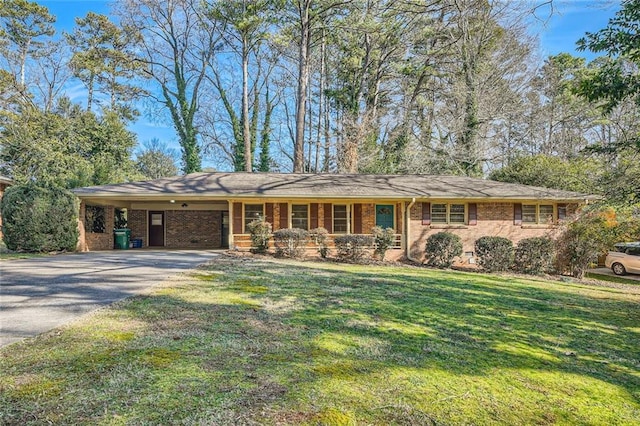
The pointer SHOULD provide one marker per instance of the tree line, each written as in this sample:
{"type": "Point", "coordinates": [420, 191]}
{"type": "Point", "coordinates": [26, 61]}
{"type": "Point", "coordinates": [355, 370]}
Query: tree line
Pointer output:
{"type": "Point", "coordinates": [310, 86]}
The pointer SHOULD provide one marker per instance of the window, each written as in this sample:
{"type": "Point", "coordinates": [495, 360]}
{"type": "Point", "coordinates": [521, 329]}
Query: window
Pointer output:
{"type": "Point", "coordinates": [633, 251]}
{"type": "Point", "coordinates": [94, 219]}
{"type": "Point", "coordinates": [537, 213]}
{"type": "Point", "coordinates": [545, 213]}
{"type": "Point", "coordinates": [252, 212]}
{"type": "Point", "coordinates": [300, 216]}
{"type": "Point", "coordinates": [456, 213]}
{"type": "Point", "coordinates": [438, 213]}
{"type": "Point", "coordinates": [529, 213]}
{"type": "Point", "coordinates": [448, 213]}
{"type": "Point", "coordinates": [340, 219]}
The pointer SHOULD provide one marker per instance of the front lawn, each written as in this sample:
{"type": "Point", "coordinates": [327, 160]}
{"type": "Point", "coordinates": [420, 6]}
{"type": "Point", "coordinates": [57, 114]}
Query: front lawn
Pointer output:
{"type": "Point", "coordinates": [248, 341]}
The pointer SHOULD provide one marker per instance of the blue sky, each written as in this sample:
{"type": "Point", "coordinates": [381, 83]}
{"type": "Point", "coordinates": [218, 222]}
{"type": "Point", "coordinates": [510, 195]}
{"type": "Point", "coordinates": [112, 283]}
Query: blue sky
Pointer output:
{"type": "Point", "coordinates": [557, 32]}
{"type": "Point", "coordinates": [570, 21]}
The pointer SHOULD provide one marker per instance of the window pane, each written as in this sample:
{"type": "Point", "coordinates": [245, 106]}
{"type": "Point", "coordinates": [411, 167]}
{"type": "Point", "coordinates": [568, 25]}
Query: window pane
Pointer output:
{"type": "Point", "coordinates": [546, 213]}
{"type": "Point", "coordinates": [456, 213]}
{"type": "Point", "coordinates": [252, 212]}
{"type": "Point", "coordinates": [339, 219]}
{"type": "Point", "coordinates": [300, 216]}
{"type": "Point", "coordinates": [438, 213]}
{"type": "Point", "coordinates": [529, 213]}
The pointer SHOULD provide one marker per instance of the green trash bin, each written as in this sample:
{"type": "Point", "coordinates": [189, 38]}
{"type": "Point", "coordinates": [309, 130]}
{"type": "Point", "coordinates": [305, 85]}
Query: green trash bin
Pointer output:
{"type": "Point", "coordinates": [121, 238]}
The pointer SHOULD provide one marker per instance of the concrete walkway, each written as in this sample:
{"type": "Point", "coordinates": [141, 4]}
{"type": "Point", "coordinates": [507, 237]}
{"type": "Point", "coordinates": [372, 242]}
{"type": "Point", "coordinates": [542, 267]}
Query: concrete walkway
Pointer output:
{"type": "Point", "coordinates": [39, 294]}
{"type": "Point", "coordinates": [609, 272]}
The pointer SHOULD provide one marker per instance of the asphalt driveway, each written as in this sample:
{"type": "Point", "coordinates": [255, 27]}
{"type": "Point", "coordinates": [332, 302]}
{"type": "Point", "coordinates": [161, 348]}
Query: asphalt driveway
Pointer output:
{"type": "Point", "coordinates": [39, 294]}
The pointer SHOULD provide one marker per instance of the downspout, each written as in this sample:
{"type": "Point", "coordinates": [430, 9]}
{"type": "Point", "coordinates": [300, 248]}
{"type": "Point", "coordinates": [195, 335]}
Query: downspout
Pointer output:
{"type": "Point", "coordinates": [407, 221]}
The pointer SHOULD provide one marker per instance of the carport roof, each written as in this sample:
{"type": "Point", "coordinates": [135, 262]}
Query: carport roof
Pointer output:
{"type": "Point", "coordinates": [323, 186]}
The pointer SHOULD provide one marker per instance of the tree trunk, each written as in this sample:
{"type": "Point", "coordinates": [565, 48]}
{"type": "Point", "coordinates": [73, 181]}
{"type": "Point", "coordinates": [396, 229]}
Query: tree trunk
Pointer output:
{"type": "Point", "coordinates": [90, 92]}
{"type": "Point", "coordinates": [246, 131]}
{"type": "Point", "coordinates": [303, 81]}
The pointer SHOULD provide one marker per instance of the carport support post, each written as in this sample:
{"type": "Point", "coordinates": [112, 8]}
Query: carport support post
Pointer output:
{"type": "Point", "coordinates": [82, 239]}
{"type": "Point", "coordinates": [230, 236]}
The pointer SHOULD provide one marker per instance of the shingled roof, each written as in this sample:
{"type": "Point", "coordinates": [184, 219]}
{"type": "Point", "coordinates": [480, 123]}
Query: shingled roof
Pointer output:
{"type": "Point", "coordinates": [318, 186]}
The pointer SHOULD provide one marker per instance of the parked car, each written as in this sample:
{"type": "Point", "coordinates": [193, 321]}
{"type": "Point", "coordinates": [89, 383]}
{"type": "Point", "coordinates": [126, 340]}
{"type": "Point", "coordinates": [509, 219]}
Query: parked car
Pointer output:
{"type": "Point", "coordinates": [624, 259]}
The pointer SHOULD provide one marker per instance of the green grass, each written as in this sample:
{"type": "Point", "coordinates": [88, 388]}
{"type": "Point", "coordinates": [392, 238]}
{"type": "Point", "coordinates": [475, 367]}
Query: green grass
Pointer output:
{"type": "Point", "coordinates": [281, 342]}
{"type": "Point", "coordinates": [6, 254]}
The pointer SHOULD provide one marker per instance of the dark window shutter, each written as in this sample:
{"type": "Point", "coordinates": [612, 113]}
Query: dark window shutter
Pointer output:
{"type": "Point", "coordinates": [517, 213]}
{"type": "Point", "coordinates": [562, 211]}
{"type": "Point", "coordinates": [357, 218]}
{"type": "Point", "coordinates": [328, 217]}
{"type": "Point", "coordinates": [473, 214]}
{"type": "Point", "coordinates": [237, 218]}
{"type": "Point", "coordinates": [268, 213]}
{"type": "Point", "coordinates": [284, 216]}
{"type": "Point", "coordinates": [398, 218]}
{"type": "Point", "coordinates": [313, 212]}
{"type": "Point", "coordinates": [426, 213]}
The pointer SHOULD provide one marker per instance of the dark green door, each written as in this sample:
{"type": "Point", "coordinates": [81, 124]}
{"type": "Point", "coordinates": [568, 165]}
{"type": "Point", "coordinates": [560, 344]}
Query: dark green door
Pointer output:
{"type": "Point", "coordinates": [384, 216]}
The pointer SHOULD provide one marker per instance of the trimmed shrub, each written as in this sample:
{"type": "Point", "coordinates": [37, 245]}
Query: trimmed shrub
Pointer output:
{"type": "Point", "coordinates": [290, 242]}
{"type": "Point", "coordinates": [320, 237]}
{"type": "Point", "coordinates": [383, 240]}
{"type": "Point", "coordinates": [36, 219]}
{"type": "Point", "coordinates": [535, 255]}
{"type": "Point", "coordinates": [353, 247]}
{"type": "Point", "coordinates": [494, 253]}
{"type": "Point", "coordinates": [260, 233]}
{"type": "Point", "coordinates": [442, 248]}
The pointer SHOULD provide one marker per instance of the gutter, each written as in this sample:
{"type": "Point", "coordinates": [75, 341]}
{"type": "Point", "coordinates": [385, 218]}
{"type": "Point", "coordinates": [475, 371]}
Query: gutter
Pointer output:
{"type": "Point", "coordinates": [407, 221]}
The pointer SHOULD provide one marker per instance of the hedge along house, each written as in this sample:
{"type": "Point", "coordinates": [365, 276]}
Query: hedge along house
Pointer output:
{"type": "Point", "coordinates": [212, 210]}
{"type": "Point", "coordinates": [5, 182]}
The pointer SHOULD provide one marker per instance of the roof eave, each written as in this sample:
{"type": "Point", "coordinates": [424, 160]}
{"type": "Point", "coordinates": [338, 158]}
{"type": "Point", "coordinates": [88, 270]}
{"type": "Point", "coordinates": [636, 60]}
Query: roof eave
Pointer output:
{"type": "Point", "coordinates": [581, 198]}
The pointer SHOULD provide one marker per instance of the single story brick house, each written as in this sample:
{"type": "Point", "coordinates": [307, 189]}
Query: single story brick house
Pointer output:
{"type": "Point", "coordinates": [212, 210]}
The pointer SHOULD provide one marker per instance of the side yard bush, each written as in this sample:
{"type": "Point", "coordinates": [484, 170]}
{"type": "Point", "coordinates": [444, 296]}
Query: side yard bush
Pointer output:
{"type": "Point", "coordinates": [591, 233]}
{"type": "Point", "coordinates": [442, 248]}
{"type": "Point", "coordinates": [535, 255]}
{"type": "Point", "coordinates": [260, 232]}
{"type": "Point", "coordinates": [353, 247]}
{"type": "Point", "coordinates": [494, 253]}
{"type": "Point", "coordinates": [320, 237]}
{"type": "Point", "coordinates": [290, 242]}
{"type": "Point", "coordinates": [383, 240]}
{"type": "Point", "coordinates": [36, 219]}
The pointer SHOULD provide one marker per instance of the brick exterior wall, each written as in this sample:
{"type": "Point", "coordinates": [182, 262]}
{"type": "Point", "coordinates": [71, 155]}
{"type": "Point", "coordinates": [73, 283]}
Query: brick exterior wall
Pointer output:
{"type": "Point", "coordinates": [276, 217]}
{"type": "Point", "coordinates": [137, 222]}
{"type": "Point", "coordinates": [494, 219]}
{"type": "Point", "coordinates": [368, 217]}
{"type": "Point", "coordinates": [193, 229]}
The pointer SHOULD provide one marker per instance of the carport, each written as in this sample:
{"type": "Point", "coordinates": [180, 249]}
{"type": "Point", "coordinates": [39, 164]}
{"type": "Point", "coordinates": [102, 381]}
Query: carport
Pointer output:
{"type": "Point", "coordinates": [172, 223]}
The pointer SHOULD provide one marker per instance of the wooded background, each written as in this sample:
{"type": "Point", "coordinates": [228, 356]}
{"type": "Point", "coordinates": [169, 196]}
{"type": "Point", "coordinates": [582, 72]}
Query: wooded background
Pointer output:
{"type": "Point", "coordinates": [309, 86]}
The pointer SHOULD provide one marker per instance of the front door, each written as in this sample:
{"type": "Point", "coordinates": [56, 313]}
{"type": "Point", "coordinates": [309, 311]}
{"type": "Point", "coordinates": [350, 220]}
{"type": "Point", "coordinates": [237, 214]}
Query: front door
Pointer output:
{"type": "Point", "coordinates": [384, 216]}
{"type": "Point", "coordinates": [156, 229]}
